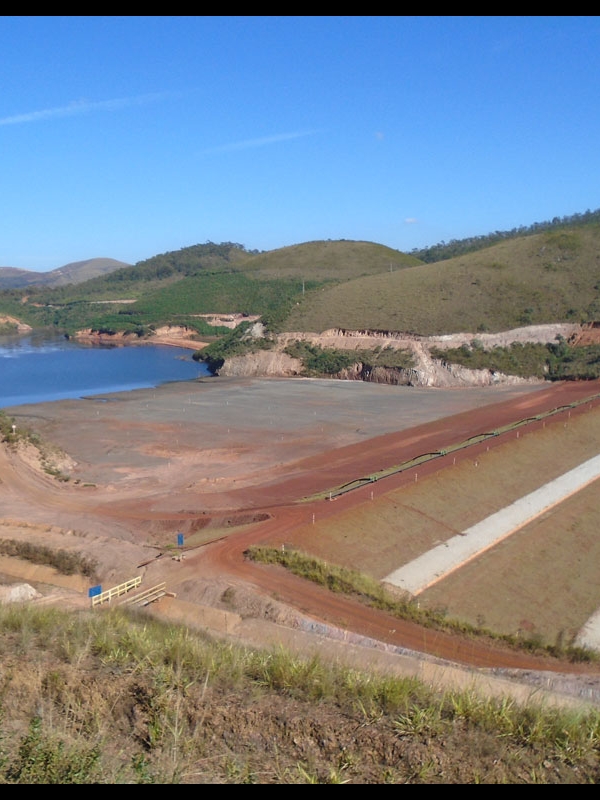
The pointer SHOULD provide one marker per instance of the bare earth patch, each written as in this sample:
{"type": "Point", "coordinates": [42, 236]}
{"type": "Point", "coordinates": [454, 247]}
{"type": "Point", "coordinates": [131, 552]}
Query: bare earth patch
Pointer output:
{"type": "Point", "coordinates": [225, 461]}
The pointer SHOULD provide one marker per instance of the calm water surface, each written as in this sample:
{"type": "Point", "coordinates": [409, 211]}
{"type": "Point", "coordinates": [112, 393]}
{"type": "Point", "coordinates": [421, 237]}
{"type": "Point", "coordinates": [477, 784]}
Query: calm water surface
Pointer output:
{"type": "Point", "coordinates": [41, 368]}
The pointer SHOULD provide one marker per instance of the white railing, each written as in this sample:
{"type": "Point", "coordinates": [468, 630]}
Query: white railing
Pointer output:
{"type": "Point", "coordinates": [116, 591]}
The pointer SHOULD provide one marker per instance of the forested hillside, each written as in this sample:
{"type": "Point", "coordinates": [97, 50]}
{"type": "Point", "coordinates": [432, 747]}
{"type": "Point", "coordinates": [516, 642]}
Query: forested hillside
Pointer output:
{"type": "Point", "coordinates": [459, 247]}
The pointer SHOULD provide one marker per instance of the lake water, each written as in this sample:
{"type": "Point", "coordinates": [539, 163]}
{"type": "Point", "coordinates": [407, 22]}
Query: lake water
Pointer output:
{"type": "Point", "coordinates": [42, 368]}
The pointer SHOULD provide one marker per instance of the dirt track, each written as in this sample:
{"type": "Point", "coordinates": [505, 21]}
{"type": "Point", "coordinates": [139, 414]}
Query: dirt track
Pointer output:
{"type": "Point", "coordinates": [197, 458]}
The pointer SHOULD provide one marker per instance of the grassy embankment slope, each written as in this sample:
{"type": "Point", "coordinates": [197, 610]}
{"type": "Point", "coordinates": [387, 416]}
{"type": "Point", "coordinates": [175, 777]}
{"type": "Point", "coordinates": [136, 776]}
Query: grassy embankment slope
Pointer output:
{"type": "Point", "coordinates": [116, 698]}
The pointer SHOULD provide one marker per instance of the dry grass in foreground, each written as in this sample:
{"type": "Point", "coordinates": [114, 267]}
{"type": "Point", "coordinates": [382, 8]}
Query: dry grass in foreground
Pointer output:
{"type": "Point", "coordinates": [120, 698]}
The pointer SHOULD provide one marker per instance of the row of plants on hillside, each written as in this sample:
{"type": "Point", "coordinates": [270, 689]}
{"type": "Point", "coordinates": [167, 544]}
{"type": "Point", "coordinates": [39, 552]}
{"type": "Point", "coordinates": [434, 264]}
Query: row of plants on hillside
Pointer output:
{"type": "Point", "coordinates": [553, 361]}
{"type": "Point", "coordinates": [39, 307]}
{"type": "Point", "coordinates": [236, 293]}
{"type": "Point", "coordinates": [103, 318]}
{"type": "Point", "coordinates": [387, 357]}
{"type": "Point", "coordinates": [67, 562]}
{"type": "Point", "coordinates": [321, 361]}
{"type": "Point", "coordinates": [172, 303]}
{"type": "Point", "coordinates": [580, 363]}
{"type": "Point", "coordinates": [317, 360]}
{"type": "Point", "coordinates": [327, 361]}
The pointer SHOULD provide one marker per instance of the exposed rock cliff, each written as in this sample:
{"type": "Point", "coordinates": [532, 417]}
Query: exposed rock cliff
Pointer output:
{"type": "Point", "coordinates": [263, 363]}
{"type": "Point", "coordinates": [426, 371]}
{"type": "Point", "coordinates": [431, 372]}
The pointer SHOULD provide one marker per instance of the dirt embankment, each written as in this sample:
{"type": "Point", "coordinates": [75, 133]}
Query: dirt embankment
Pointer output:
{"type": "Point", "coordinates": [426, 371]}
{"type": "Point", "coordinates": [173, 335]}
{"type": "Point", "coordinates": [11, 322]}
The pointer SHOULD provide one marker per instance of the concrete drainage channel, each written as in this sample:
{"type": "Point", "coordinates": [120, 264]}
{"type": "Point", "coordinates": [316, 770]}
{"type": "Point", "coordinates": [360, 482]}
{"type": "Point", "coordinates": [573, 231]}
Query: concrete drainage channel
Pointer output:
{"type": "Point", "coordinates": [431, 567]}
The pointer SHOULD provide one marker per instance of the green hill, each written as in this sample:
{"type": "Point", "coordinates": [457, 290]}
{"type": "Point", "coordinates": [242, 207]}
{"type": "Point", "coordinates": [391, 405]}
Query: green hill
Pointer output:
{"type": "Point", "coordinates": [543, 278]}
{"type": "Point", "coordinates": [202, 279]}
{"type": "Point", "coordinates": [76, 272]}
{"type": "Point", "coordinates": [341, 260]}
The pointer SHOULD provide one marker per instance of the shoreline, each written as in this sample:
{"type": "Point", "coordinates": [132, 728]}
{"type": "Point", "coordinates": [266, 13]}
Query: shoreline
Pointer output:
{"type": "Point", "coordinates": [125, 340]}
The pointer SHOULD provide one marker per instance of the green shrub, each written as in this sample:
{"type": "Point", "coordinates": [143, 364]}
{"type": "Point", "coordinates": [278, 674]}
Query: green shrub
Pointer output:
{"type": "Point", "coordinates": [66, 562]}
{"type": "Point", "coordinates": [321, 361]}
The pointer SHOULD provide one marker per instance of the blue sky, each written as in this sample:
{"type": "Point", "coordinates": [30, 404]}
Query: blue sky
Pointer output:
{"type": "Point", "coordinates": [125, 137]}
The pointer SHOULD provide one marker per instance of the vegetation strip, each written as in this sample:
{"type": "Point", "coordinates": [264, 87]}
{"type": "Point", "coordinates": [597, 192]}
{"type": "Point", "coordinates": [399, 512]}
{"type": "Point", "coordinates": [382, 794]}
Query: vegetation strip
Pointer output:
{"type": "Point", "coordinates": [371, 592]}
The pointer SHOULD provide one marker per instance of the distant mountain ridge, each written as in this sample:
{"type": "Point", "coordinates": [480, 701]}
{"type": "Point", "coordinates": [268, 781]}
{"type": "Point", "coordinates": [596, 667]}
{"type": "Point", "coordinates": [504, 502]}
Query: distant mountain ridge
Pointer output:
{"type": "Point", "coordinates": [75, 272]}
{"type": "Point", "coordinates": [285, 261]}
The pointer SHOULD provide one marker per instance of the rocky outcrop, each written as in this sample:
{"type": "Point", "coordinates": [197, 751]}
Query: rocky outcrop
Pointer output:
{"type": "Point", "coordinates": [263, 363]}
{"type": "Point", "coordinates": [18, 593]}
{"type": "Point", "coordinates": [11, 322]}
{"type": "Point", "coordinates": [434, 374]}
{"type": "Point", "coordinates": [96, 337]}
{"type": "Point", "coordinates": [426, 371]}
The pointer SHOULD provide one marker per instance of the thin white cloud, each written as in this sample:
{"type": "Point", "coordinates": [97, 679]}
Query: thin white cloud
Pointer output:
{"type": "Point", "coordinates": [262, 142]}
{"type": "Point", "coordinates": [81, 107]}
{"type": "Point", "coordinates": [411, 220]}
